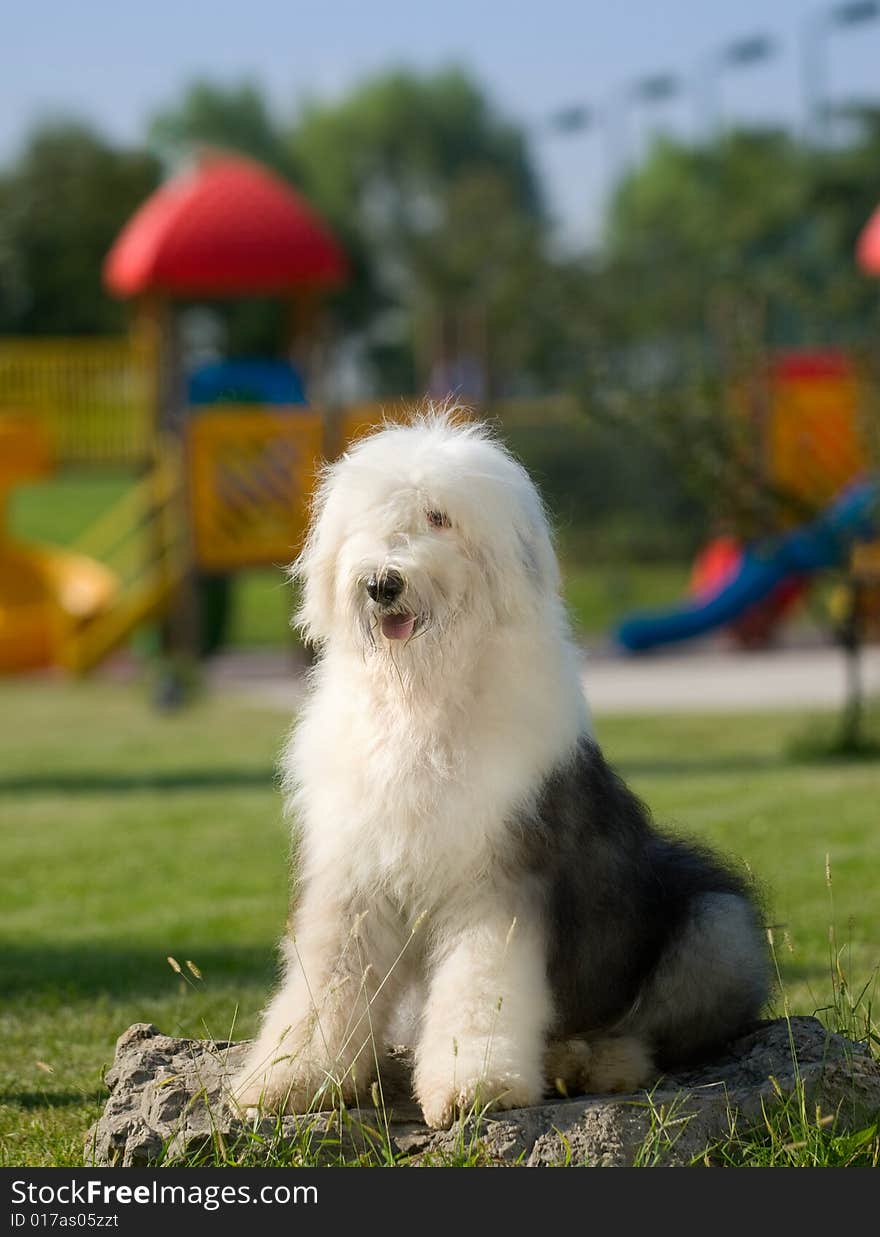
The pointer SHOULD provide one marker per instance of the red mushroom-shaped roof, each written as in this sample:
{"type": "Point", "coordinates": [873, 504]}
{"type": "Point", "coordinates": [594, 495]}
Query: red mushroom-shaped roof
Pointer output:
{"type": "Point", "coordinates": [868, 245]}
{"type": "Point", "coordinates": [228, 227]}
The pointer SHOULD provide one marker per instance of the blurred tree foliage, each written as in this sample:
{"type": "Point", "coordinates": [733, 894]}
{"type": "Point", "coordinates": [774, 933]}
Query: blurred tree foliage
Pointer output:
{"type": "Point", "coordinates": [711, 255]}
{"type": "Point", "coordinates": [62, 203]}
{"type": "Point", "coordinates": [714, 256]}
{"type": "Point", "coordinates": [236, 117]}
{"type": "Point", "coordinates": [436, 197]}
{"type": "Point", "coordinates": [756, 218]}
{"type": "Point", "coordinates": [432, 194]}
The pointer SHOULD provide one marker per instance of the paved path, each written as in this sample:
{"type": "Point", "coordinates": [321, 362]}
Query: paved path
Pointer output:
{"type": "Point", "coordinates": [720, 682]}
{"type": "Point", "coordinates": [702, 680]}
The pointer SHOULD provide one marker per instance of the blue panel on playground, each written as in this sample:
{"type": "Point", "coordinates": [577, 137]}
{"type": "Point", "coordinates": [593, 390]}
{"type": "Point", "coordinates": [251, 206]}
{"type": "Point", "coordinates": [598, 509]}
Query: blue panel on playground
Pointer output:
{"type": "Point", "coordinates": [246, 382]}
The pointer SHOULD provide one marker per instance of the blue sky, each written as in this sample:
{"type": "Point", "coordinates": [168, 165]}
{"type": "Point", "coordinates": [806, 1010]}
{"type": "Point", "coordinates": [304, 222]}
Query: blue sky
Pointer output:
{"type": "Point", "coordinates": [114, 63]}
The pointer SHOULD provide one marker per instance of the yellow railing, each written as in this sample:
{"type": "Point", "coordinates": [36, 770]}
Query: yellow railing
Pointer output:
{"type": "Point", "coordinates": [95, 395]}
{"type": "Point", "coordinates": [143, 540]}
{"type": "Point", "coordinates": [98, 397]}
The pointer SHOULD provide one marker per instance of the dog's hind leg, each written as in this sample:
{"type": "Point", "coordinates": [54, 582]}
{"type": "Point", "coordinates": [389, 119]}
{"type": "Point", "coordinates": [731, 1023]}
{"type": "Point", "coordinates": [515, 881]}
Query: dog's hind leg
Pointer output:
{"type": "Point", "coordinates": [614, 1063]}
{"type": "Point", "coordinates": [710, 984]}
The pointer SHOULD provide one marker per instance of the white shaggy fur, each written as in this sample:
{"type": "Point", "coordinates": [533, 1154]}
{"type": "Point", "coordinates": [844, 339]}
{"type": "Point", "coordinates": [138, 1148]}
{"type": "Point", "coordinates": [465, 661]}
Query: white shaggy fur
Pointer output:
{"type": "Point", "coordinates": [460, 833]}
{"type": "Point", "coordinates": [408, 763]}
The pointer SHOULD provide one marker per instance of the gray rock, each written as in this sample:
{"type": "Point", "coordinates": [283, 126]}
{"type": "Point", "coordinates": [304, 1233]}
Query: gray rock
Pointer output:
{"type": "Point", "coordinates": [166, 1102]}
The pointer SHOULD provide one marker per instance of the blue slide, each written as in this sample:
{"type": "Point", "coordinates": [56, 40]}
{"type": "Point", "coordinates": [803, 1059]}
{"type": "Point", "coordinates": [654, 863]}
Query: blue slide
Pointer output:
{"type": "Point", "coordinates": [824, 543]}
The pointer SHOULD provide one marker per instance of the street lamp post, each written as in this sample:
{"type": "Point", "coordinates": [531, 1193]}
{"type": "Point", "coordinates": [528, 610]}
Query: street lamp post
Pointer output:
{"type": "Point", "coordinates": [576, 118]}
{"type": "Point", "coordinates": [612, 118]}
{"type": "Point", "coordinates": [582, 118]}
{"type": "Point", "coordinates": [740, 54]}
{"type": "Point", "coordinates": [816, 32]}
{"type": "Point", "coordinates": [651, 90]}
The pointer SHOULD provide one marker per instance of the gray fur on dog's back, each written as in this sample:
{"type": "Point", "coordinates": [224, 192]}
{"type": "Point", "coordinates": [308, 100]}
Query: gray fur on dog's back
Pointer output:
{"type": "Point", "coordinates": [647, 935]}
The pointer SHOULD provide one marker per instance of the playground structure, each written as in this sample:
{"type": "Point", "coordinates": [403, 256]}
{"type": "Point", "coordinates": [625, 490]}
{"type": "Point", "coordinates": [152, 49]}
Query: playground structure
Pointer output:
{"type": "Point", "coordinates": [812, 447]}
{"type": "Point", "coordinates": [821, 545]}
{"type": "Point", "coordinates": [223, 480]}
{"type": "Point", "coordinates": [225, 456]}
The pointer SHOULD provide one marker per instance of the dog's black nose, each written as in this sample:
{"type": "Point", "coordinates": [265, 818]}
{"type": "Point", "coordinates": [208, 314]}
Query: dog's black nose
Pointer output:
{"type": "Point", "coordinates": [386, 587]}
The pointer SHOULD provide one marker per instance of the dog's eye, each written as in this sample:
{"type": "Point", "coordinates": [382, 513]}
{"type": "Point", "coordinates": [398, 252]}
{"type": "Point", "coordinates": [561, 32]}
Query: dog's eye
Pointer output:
{"type": "Point", "coordinates": [438, 519]}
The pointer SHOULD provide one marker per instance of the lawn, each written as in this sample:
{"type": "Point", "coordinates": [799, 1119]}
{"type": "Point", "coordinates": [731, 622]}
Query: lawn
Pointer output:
{"type": "Point", "coordinates": [128, 837]}
{"type": "Point", "coordinates": [61, 508]}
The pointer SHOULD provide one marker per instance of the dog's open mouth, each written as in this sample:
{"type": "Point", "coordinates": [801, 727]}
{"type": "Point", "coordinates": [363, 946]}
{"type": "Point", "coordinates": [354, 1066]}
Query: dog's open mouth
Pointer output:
{"type": "Point", "coordinates": [398, 626]}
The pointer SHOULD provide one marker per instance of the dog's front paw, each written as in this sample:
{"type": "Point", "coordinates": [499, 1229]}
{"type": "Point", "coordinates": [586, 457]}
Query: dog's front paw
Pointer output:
{"type": "Point", "coordinates": [277, 1092]}
{"type": "Point", "coordinates": [282, 1087]}
{"type": "Point", "coordinates": [442, 1101]}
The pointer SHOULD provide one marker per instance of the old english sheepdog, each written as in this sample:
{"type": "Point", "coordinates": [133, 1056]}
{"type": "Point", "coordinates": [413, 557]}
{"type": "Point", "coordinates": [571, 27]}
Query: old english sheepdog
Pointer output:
{"type": "Point", "coordinates": [459, 835]}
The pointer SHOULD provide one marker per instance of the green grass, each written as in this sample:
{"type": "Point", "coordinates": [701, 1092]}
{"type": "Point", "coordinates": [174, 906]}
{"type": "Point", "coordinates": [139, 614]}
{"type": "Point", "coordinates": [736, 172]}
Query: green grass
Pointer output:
{"type": "Point", "coordinates": [261, 608]}
{"type": "Point", "coordinates": [127, 837]}
{"type": "Point", "coordinates": [598, 596]}
{"type": "Point", "coordinates": [61, 508]}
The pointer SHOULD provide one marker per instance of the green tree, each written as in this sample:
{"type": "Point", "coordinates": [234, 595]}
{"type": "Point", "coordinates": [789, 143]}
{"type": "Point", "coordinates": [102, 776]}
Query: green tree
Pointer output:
{"type": "Point", "coordinates": [235, 117]}
{"type": "Point", "coordinates": [757, 222]}
{"type": "Point", "coordinates": [436, 200]}
{"type": "Point", "coordinates": [62, 203]}
{"type": "Point", "coordinates": [431, 193]}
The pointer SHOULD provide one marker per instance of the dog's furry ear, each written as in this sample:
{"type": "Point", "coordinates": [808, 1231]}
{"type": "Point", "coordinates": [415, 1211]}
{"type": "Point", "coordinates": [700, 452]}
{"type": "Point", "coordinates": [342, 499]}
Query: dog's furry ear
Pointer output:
{"type": "Point", "coordinates": [523, 573]}
{"type": "Point", "coordinates": [314, 567]}
{"type": "Point", "coordinates": [538, 556]}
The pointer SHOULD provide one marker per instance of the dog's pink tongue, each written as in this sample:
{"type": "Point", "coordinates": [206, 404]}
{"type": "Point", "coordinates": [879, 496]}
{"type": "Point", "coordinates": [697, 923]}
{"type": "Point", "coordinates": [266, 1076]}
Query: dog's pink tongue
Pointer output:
{"type": "Point", "coordinates": [398, 626]}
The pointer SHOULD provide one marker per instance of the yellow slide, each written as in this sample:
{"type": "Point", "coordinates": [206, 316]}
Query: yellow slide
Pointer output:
{"type": "Point", "coordinates": [45, 592]}
{"type": "Point", "coordinates": [67, 608]}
